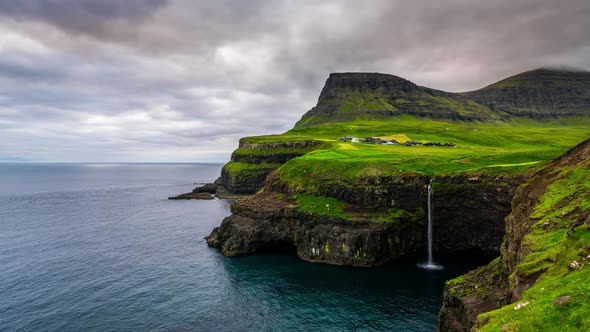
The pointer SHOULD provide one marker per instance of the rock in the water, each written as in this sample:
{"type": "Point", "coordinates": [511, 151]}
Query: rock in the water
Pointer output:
{"type": "Point", "coordinates": [193, 196]}
{"type": "Point", "coordinates": [209, 188]}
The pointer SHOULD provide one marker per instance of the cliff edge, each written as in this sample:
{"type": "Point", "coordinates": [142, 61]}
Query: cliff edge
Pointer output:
{"type": "Point", "coordinates": [540, 280]}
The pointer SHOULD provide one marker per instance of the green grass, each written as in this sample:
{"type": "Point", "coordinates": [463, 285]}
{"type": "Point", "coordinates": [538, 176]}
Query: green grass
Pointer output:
{"type": "Point", "coordinates": [551, 251]}
{"type": "Point", "coordinates": [397, 216]}
{"type": "Point", "coordinates": [493, 148]}
{"type": "Point", "coordinates": [541, 314]}
{"type": "Point", "coordinates": [321, 205]}
{"type": "Point", "coordinates": [243, 169]}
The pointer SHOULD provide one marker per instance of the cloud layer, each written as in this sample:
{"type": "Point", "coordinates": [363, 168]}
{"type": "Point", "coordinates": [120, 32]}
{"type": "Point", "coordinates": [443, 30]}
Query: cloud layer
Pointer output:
{"type": "Point", "coordinates": [167, 81]}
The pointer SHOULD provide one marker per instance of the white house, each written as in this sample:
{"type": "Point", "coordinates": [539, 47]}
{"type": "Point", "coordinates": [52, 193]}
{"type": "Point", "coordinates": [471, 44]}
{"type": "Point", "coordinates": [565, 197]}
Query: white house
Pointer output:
{"type": "Point", "coordinates": [354, 140]}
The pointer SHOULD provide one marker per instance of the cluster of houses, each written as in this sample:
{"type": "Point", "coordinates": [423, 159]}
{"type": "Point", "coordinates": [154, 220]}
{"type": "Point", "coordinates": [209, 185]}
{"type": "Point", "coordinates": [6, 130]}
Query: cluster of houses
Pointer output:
{"type": "Point", "coordinates": [377, 140]}
{"type": "Point", "coordinates": [413, 143]}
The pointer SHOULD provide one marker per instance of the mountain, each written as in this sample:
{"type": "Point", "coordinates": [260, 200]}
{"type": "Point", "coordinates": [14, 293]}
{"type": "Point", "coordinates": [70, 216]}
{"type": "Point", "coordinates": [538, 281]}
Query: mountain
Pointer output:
{"type": "Point", "coordinates": [538, 93]}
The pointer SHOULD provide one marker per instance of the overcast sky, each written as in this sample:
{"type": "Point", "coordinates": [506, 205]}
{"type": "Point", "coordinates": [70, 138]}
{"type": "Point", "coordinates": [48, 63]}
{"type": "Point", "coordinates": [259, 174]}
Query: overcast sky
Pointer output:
{"type": "Point", "coordinates": [179, 81]}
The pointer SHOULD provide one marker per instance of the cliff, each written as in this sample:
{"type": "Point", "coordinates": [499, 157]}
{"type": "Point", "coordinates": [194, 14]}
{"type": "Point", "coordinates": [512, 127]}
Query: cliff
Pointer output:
{"type": "Point", "coordinates": [373, 222]}
{"type": "Point", "coordinates": [539, 282]}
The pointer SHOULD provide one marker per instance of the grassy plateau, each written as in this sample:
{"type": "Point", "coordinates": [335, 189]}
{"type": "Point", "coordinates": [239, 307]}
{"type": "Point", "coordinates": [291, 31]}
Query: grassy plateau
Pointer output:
{"type": "Point", "coordinates": [494, 147]}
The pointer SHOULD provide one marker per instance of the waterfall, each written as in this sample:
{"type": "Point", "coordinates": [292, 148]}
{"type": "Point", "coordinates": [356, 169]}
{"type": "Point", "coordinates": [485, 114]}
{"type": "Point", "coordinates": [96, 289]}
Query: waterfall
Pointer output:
{"type": "Point", "coordinates": [430, 263]}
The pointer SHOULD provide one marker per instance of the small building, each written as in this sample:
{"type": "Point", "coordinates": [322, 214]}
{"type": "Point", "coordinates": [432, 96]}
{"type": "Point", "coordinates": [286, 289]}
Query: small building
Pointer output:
{"type": "Point", "coordinates": [355, 140]}
{"type": "Point", "coordinates": [412, 143]}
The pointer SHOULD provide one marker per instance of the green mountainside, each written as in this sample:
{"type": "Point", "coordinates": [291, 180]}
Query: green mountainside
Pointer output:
{"type": "Point", "coordinates": [538, 93]}
{"type": "Point", "coordinates": [348, 96]}
{"type": "Point", "coordinates": [517, 123]}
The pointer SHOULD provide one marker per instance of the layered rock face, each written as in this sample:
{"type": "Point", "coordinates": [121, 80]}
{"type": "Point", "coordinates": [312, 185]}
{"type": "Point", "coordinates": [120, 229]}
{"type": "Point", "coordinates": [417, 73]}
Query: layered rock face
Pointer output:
{"type": "Point", "coordinates": [538, 93]}
{"type": "Point", "coordinates": [469, 211]}
{"type": "Point", "coordinates": [267, 221]}
{"type": "Point", "coordinates": [523, 262]}
{"type": "Point", "coordinates": [251, 163]}
{"type": "Point", "coordinates": [463, 222]}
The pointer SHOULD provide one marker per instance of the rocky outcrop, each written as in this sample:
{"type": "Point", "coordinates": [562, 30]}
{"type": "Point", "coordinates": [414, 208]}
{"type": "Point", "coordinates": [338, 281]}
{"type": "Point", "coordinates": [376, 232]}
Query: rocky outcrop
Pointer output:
{"type": "Point", "coordinates": [269, 221]}
{"type": "Point", "coordinates": [479, 291]}
{"type": "Point", "coordinates": [505, 280]}
{"type": "Point", "coordinates": [373, 193]}
{"type": "Point", "coordinates": [246, 181]}
{"type": "Point", "coordinates": [206, 191]}
{"type": "Point", "coordinates": [245, 144]}
{"type": "Point", "coordinates": [469, 211]}
{"type": "Point", "coordinates": [366, 237]}
{"type": "Point", "coordinates": [193, 195]}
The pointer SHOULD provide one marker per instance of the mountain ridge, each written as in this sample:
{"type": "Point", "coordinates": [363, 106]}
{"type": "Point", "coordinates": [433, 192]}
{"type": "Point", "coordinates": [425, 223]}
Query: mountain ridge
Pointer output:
{"type": "Point", "coordinates": [538, 93]}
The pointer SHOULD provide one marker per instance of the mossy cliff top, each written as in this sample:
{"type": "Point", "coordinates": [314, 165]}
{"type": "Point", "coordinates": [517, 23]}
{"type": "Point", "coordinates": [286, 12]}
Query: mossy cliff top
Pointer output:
{"type": "Point", "coordinates": [541, 280]}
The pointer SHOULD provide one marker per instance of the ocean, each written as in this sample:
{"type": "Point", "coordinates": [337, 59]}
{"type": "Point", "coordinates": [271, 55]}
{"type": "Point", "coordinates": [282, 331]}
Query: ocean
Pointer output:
{"type": "Point", "coordinates": [99, 247]}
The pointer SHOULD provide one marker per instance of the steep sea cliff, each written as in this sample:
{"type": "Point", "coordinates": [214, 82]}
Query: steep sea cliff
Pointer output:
{"type": "Point", "coordinates": [547, 245]}
{"type": "Point", "coordinates": [469, 210]}
{"type": "Point", "coordinates": [315, 192]}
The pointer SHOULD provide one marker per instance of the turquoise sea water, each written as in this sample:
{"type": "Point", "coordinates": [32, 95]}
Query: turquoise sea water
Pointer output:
{"type": "Point", "coordinates": [98, 247]}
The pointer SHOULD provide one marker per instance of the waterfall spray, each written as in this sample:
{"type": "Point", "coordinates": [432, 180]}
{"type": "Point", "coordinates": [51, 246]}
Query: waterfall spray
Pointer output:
{"type": "Point", "coordinates": [430, 263]}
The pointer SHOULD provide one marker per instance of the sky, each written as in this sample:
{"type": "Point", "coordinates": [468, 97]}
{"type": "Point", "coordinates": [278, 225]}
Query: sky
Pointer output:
{"type": "Point", "coordinates": [182, 81]}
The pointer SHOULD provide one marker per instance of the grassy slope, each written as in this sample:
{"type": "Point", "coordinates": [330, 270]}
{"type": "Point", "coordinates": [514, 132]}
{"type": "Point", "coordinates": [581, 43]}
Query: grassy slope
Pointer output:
{"type": "Point", "coordinates": [552, 252]}
{"type": "Point", "coordinates": [499, 147]}
{"type": "Point", "coordinates": [356, 104]}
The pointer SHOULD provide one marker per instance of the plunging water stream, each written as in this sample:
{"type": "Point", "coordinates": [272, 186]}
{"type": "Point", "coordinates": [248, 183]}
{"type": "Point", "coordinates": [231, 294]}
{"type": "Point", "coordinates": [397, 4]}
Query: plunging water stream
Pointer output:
{"type": "Point", "coordinates": [430, 263]}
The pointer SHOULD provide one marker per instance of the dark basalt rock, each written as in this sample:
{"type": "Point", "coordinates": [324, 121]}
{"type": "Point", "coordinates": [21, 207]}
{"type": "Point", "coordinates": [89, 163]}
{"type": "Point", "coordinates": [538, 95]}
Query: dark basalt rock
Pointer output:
{"type": "Point", "coordinates": [469, 211]}
{"type": "Point", "coordinates": [263, 222]}
{"type": "Point", "coordinates": [209, 188]}
{"type": "Point", "coordinates": [485, 290]}
{"type": "Point", "coordinates": [245, 183]}
{"type": "Point", "coordinates": [268, 219]}
{"type": "Point", "coordinates": [201, 195]}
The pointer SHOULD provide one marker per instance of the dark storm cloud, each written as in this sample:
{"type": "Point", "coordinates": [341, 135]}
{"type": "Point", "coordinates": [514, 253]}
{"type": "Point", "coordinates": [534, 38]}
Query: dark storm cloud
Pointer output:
{"type": "Point", "coordinates": [183, 80]}
{"type": "Point", "coordinates": [81, 16]}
